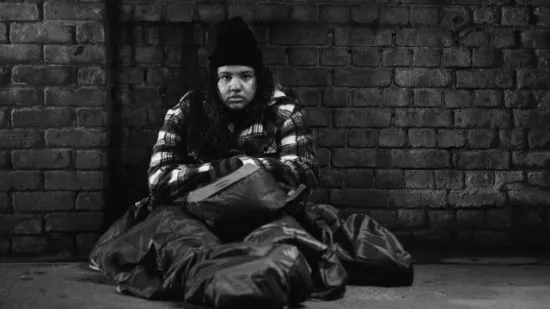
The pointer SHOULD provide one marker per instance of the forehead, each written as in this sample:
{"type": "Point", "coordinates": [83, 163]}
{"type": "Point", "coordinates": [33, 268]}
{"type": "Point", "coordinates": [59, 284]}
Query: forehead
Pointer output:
{"type": "Point", "coordinates": [235, 69]}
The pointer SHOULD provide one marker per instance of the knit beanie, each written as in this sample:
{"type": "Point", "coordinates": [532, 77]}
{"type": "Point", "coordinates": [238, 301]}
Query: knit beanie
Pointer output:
{"type": "Point", "coordinates": [235, 45]}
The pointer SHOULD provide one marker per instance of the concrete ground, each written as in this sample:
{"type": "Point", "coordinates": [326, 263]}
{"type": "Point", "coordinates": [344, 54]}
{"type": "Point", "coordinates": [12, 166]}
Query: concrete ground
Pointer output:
{"type": "Point", "coordinates": [459, 284]}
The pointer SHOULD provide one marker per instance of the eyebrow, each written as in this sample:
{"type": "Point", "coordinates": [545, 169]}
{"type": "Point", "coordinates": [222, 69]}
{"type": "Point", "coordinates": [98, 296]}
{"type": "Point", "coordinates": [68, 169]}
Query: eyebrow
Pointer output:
{"type": "Point", "coordinates": [241, 72]}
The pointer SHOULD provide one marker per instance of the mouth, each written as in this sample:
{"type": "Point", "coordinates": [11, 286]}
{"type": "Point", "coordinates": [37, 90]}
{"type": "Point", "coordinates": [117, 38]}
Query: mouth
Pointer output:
{"type": "Point", "coordinates": [236, 99]}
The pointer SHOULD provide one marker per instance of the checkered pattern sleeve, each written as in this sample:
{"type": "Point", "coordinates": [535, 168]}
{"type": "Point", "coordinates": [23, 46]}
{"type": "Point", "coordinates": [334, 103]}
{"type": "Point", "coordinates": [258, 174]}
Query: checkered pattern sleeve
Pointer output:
{"type": "Point", "coordinates": [297, 163]}
{"type": "Point", "coordinates": [170, 173]}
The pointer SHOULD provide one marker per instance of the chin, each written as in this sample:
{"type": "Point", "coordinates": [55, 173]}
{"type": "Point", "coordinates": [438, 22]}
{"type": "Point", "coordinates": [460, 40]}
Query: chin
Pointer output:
{"type": "Point", "coordinates": [236, 105]}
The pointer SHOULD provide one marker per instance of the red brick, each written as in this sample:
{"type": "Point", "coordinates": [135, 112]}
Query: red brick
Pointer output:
{"type": "Point", "coordinates": [89, 201]}
{"type": "Point", "coordinates": [292, 34]}
{"type": "Point", "coordinates": [178, 12]}
{"type": "Point", "coordinates": [361, 138]}
{"type": "Point", "coordinates": [508, 179]}
{"type": "Point", "coordinates": [421, 16]}
{"type": "Point", "coordinates": [426, 57]}
{"type": "Point", "coordinates": [423, 117]}
{"type": "Point", "coordinates": [41, 75]}
{"type": "Point", "coordinates": [57, 245]}
{"type": "Point", "coordinates": [91, 117]}
{"type": "Point", "coordinates": [488, 98]}
{"type": "Point", "coordinates": [73, 181]}
{"type": "Point", "coordinates": [456, 57]}
{"type": "Point", "coordinates": [42, 201]}
{"type": "Point", "coordinates": [423, 37]}
{"type": "Point", "coordinates": [369, 57]}
{"type": "Point", "coordinates": [518, 58]}
{"type": "Point", "coordinates": [4, 119]}
{"type": "Point", "coordinates": [482, 139]}
{"type": "Point", "coordinates": [515, 16]}
{"type": "Point", "coordinates": [90, 159]}
{"type": "Point", "coordinates": [482, 118]}
{"type": "Point", "coordinates": [477, 38]}
{"type": "Point", "coordinates": [538, 159]}
{"type": "Point", "coordinates": [147, 12]}
{"type": "Point", "coordinates": [90, 33]}
{"type": "Point", "coordinates": [362, 117]}
{"type": "Point", "coordinates": [442, 219]}
{"type": "Point", "coordinates": [535, 39]}
{"type": "Point", "coordinates": [512, 139]}
{"type": "Point", "coordinates": [147, 97]}
{"type": "Point", "coordinates": [331, 178]}
{"type": "Point", "coordinates": [362, 77]}
{"type": "Point", "coordinates": [427, 98]}
{"type": "Point", "coordinates": [539, 139]}
{"type": "Point", "coordinates": [358, 178]}
{"type": "Point", "coordinates": [419, 158]}
{"type": "Point", "coordinates": [362, 36]}
{"type": "Point", "coordinates": [77, 54]}
{"type": "Point", "coordinates": [41, 159]}
{"type": "Point", "coordinates": [480, 179]}
{"type": "Point", "coordinates": [365, 14]}
{"type": "Point", "coordinates": [18, 12]}
{"type": "Point", "coordinates": [479, 197]}
{"type": "Point", "coordinates": [316, 117]}
{"type": "Point", "coordinates": [302, 56]}
{"type": "Point", "coordinates": [40, 33]}
{"type": "Point", "coordinates": [396, 57]}
{"type": "Point", "coordinates": [82, 138]}
{"type": "Point", "coordinates": [4, 161]}
{"type": "Point", "coordinates": [455, 17]}
{"type": "Point", "coordinates": [482, 159]}
{"type": "Point", "coordinates": [389, 179]}
{"type": "Point", "coordinates": [533, 79]}
{"type": "Point", "coordinates": [420, 77]}
{"type": "Point", "coordinates": [323, 156]}
{"type": "Point", "coordinates": [484, 79]}
{"type": "Point", "coordinates": [319, 195]}
{"type": "Point", "coordinates": [303, 76]}
{"type": "Point", "coordinates": [73, 222]}
{"type": "Point", "coordinates": [43, 117]}
{"type": "Point", "coordinates": [79, 96]}
{"type": "Point", "coordinates": [396, 97]}
{"type": "Point", "coordinates": [336, 97]}
{"type": "Point", "coordinates": [20, 138]}
{"type": "Point", "coordinates": [449, 179]}
{"type": "Point", "coordinates": [91, 76]}
{"type": "Point", "coordinates": [149, 55]}
{"type": "Point", "coordinates": [274, 55]}
{"type": "Point", "coordinates": [64, 10]}
{"type": "Point", "coordinates": [367, 97]}
{"type": "Point", "coordinates": [392, 137]}
{"type": "Point", "coordinates": [342, 157]}
{"type": "Point", "coordinates": [526, 198]}
{"type": "Point", "coordinates": [20, 224]}
{"type": "Point", "coordinates": [409, 198]}
{"type": "Point", "coordinates": [502, 38]}
{"type": "Point", "coordinates": [247, 12]}
{"type": "Point", "coordinates": [359, 198]}
{"type": "Point", "coordinates": [486, 15]}
{"type": "Point", "coordinates": [4, 246]}
{"type": "Point", "coordinates": [337, 56]}
{"type": "Point", "coordinates": [211, 13]}
{"type": "Point", "coordinates": [20, 53]}
{"type": "Point", "coordinates": [483, 57]}
{"type": "Point", "coordinates": [304, 13]}
{"type": "Point", "coordinates": [385, 217]}
{"type": "Point", "coordinates": [3, 33]}
{"type": "Point", "coordinates": [539, 179]}
{"type": "Point", "coordinates": [458, 98]}
{"type": "Point", "coordinates": [308, 96]}
{"type": "Point", "coordinates": [334, 14]}
{"type": "Point", "coordinates": [273, 13]}
{"type": "Point", "coordinates": [419, 179]}
{"type": "Point", "coordinates": [531, 118]}
{"type": "Point", "coordinates": [422, 137]}
{"type": "Point", "coordinates": [542, 15]}
{"type": "Point", "coordinates": [394, 15]}
{"type": "Point", "coordinates": [470, 218]}
{"type": "Point", "coordinates": [450, 139]}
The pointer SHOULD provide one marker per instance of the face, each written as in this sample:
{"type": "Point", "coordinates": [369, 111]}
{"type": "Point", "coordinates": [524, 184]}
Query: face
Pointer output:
{"type": "Point", "coordinates": [236, 85]}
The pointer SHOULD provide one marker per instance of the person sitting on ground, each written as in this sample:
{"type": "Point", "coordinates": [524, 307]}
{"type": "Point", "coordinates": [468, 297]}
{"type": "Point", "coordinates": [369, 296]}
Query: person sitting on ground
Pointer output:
{"type": "Point", "coordinates": [237, 116]}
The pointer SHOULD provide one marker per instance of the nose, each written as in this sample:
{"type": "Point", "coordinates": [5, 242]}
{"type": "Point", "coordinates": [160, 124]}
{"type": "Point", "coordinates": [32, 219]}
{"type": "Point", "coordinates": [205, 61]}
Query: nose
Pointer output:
{"type": "Point", "coordinates": [235, 84]}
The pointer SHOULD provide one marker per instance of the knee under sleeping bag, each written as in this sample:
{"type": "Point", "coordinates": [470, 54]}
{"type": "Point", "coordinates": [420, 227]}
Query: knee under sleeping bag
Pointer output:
{"type": "Point", "coordinates": [237, 244]}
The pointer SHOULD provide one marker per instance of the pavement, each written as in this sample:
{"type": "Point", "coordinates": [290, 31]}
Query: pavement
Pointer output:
{"type": "Point", "coordinates": [454, 283]}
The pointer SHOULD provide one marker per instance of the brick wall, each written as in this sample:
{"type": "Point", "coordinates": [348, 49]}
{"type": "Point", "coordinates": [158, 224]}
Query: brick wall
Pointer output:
{"type": "Point", "coordinates": [432, 116]}
{"type": "Point", "coordinates": [53, 133]}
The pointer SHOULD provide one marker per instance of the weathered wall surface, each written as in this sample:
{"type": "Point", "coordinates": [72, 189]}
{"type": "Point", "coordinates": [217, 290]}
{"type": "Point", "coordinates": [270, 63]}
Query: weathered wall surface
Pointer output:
{"type": "Point", "coordinates": [432, 116]}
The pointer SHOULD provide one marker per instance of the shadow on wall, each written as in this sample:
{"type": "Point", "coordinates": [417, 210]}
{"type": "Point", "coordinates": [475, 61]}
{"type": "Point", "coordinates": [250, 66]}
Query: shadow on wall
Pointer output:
{"type": "Point", "coordinates": [152, 65]}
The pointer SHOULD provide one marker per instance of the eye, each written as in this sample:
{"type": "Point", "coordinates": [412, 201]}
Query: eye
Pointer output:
{"type": "Point", "coordinates": [247, 76]}
{"type": "Point", "coordinates": [225, 78]}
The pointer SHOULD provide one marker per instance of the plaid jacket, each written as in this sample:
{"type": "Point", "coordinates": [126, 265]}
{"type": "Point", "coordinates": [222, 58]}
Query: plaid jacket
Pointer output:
{"type": "Point", "coordinates": [289, 155]}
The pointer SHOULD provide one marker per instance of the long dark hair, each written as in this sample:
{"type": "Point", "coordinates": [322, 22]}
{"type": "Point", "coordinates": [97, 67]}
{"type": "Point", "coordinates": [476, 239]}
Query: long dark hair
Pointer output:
{"type": "Point", "coordinates": [207, 131]}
